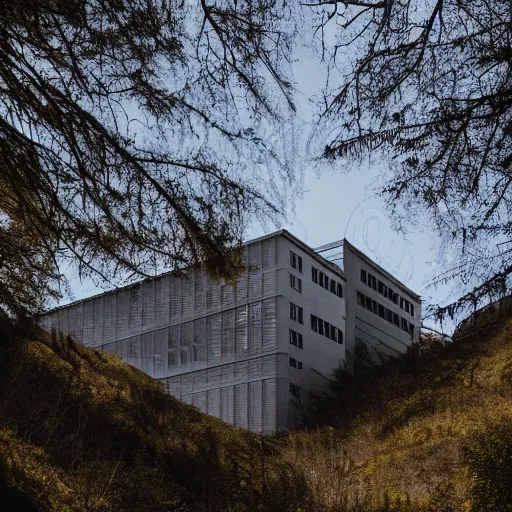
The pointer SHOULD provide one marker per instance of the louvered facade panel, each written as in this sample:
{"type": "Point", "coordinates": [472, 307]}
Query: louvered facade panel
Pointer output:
{"type": "Point", "coordinates": [199, 400]}
{"type": "Point", "coordinates": [213, 335]}
{"type": "Point", "coordinates": [213, 301]}
{"type": "Point", "coordinates": [160, 345]}
{"type": "Point", "coordinates": [269, 282]}
{"type": "Point", "coordinates": [241, 371]}
{"type": "Point", "coordinates": [135, 311]}
{"type": "Point", "coordinates": [176, 291]}
{"type": "Point", "coordinates": [255, 328]}
{"type": "Point", "coordinates": [241, 289]}
{"type": "Point", "coordinates": [63, 315]}
{"type": "Point", "coordinates": [228, 333]}
{"type": "Point", "coordinates": [241, 338]}
{"type": "Point", "coordinates": [270, 252]}
{"type": "Point", "coordinates": [97, 335]}
{"type": "Point", "coordinates": [269, 366]}
{"type": "Point", "coordinates": [173, 350]}
{"type": "Point", "coordinates": [213, 398]}
{"type": "Point", "coordinates": [269, 325]}
{"type": "Point", "coordinates": [87, 322]}
{"type": "Point", "coordinates": [148, 363]}
{"type": "Point", "coordinates": [255, 368]}
{"type": "Point", "coordinates": [241, 406]}
{"type": "Point", "coordinates": [200, 292]}
{"type": "Point", "coordinates": [214, 377]}
{"type": "Point", "coordinates": [109, 317]}
{"type": "Point", "coordinates": [227, 374]}
{"type": "Point", "coordinates": [269, 405]}
{"type": "Point", "coordinates": [122, 313]}
{"type": "Point", "coordinates": [227, 399]}
{"type": "Point", "coordinates": [255, 412]}
{"type": "Point", "coordinates": [162, 300]}
{"type": "Point", "coordinates": [199, 346]}
{"type": "Point", "coordinates": [228, 295]}
{"type": "Point", "coordinates": [255, 275]}
{"type": "Point", "coordinates": [174, 386]}
{"type": "Point", "coordinates": [186, 341]}
{"type": "Point", "coordinates": [199, 380]}
{"type": "Point", "coordinates": [188, 295]}
{"type": "Point", "coordinates": [75, 322]}
{"type": "Point", "coordinates": [186, 384]}
{"type": "Point", "coordinates": [148, 303]}
{"type": "Point", "coordinates": [132, 351]}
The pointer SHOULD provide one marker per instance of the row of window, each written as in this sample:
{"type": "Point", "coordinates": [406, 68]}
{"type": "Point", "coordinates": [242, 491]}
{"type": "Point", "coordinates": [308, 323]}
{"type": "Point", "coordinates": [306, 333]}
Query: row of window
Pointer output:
{"type": "Point", "coordinates": [296, 261]}
{"type": "Point", "coordinates": [322, 280]}
{"type": "Point", "coordinates": [295, 364]}
{"type": "Point", "coordinates": [296, 283]}
{"type": "Point", "coordinates": [295, 339]}
{"type": "Point", "coordinates": [296, 313]}
{"type": "Point", "coordinates": [326, 329]}
{"type": "Point", "coordinates": [386, 291]}
{"type": "Point", "coordinates": [385, 313]}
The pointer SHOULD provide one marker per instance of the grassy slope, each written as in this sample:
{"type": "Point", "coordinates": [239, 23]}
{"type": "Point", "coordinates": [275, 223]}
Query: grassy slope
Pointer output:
{"type": "Point", "coordinates": [80, 430]}
{"type": "Point", "coordinates": [431, 433]}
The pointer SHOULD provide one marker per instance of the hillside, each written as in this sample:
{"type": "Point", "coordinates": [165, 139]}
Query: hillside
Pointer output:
{"type": "Point", "coordinates": [80, 430]}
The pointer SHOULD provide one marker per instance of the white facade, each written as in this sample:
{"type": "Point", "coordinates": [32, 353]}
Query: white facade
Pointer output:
{"type": "Point", "coordinates": [248, 353]}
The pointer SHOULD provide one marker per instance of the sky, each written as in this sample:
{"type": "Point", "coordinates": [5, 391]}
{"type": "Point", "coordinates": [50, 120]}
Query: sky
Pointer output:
{"type": "Point", "coordinates": [335, 205]}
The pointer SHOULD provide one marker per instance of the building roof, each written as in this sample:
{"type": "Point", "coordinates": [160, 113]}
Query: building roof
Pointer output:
{"type": "Point", "coordinates": [378, 268]}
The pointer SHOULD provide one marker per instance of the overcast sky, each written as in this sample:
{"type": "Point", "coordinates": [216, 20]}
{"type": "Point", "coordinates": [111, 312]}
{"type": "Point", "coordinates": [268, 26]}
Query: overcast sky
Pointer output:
{"type": "Point", "coordinates": [335, 205]}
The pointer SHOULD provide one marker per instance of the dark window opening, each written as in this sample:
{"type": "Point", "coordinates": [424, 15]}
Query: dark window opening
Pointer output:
{"type": "Point", "coordinates": [314, 323]}
{"type": "Point", "coordinates": [339, 290]}
{"type": "Point", "coordinates": [293, 362]}
{"type": "Point", "coordinates": [314, 275]}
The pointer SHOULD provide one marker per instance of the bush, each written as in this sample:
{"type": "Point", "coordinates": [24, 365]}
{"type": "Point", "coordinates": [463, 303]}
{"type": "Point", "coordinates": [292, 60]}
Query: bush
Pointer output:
{"type": "Point", "coordinates": [489, 459]}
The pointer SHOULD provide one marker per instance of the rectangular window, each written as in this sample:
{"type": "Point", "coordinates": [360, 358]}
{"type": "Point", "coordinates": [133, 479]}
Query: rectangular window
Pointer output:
{"type": "Point", "coordinates": [382, 313]}
{"type": "Point", "coordinates": [333, 333]}
{"type": "Point", "coordinates": [294, 390]}
{"type": "Point", "coordinates": [402, 303]}
{"type": "Point", "coordinates": [340, 336]}
{"type": "Point", "coordinates": [327, 328]}
{"type": "Point", "coordinates": [363, 276]}
{"type": "Point", "coordinates": [293, 362]}
{"type": "Point", "coordinates": [333, 286]}
{"type": "Point", "coordinates": [390, 294]}
{"type": "Point", "coordinates": [296, 283]}
{"type": "Point", "coordinates": [296, 313]}
{"type": "Point", "coordinates": [395, 297]}
{"type": "Point", "coordinates": [295, 339]}
{"type": "Point", "coordinates": [396, 319]}
{"type": "Point", "coordinates": [299, 340]}
{"type": "Point", "coordinates": [314, 275]}
{"type": "Point", "coordinates": [407, 304]}
{"type": "Point", "coordinates": [295, 261]}
{"type": "Point", "coordinates": [368, 303]}
{"type": "Point", "coordinates": [314, 323]}
{"type": "Point", "coordinates": [320, 326]}
{"type": "Point", "coordinates": [360, 299]}
{"type": "Point", "coordinates": [339, 290]}
{"type": "Point", "coordinates": [389, 316]}
{"type": "Point", "coordinates": [404, 325]}
{"type": "Point", "coordinates": [374, 306]}
{"type": "Point", "coordinates": [411, 328]}
{"type": "Point", "coordinates": [299, 365]}
{"type": "Point", "coordinates": [380, 287]}
{"type": "Point", "coordinates": [326, 282]}
{"type": "Point", "coordinates": [412, 310]}
{"type": "Point", "coordinates": [372, 281]}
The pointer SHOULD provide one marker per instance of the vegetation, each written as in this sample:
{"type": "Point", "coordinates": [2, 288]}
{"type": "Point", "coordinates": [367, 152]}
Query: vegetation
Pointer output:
{"type": "Point", "coordinates": [426, 86]}
{"type": "Point", "coordinates": [81, 430]}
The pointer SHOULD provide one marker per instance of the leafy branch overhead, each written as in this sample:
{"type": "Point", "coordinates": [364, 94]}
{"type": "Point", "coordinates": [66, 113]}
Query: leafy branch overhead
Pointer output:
{"type": "Point", "coordinates": [126, 129]}
{"type": "Point", "coordinates": [428, 85]}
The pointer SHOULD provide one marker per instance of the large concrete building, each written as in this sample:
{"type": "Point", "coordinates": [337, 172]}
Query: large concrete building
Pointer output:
{"type": "Point", "coordinates": [251, 352]}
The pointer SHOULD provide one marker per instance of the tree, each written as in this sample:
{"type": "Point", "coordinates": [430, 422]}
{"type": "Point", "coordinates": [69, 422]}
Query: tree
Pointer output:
{"type": "Point", "coordinates": [429, 85]}
{"type": "Point", "coordinates": [126, 132]}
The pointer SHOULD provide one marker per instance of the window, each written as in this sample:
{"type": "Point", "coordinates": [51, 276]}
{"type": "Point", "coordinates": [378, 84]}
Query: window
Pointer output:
{"type": "Point", "coordinates": [339, 290]}
{"type": "Point", "coordinates": [294, 390]}
{"type": "Point", "coordinates": [390, 294]}
{"type": "Point", "coordinates": [411, 328]}
{"type": "Point", "coordinates": [402, 303]}
{"type": "Point", "coordinates": [323, 280]}
{"type": "Point", "coordinates": [360, 299]}
{"type": "Point", "coordinates": [293, 362]}
{"type": "Point", "coordinates": [396, 319]}
{"type": "Point", "coordinates": [333, 333]}
{"type": "Point", "coordinates": [327, 328]}
{"type": "Point", "coordinates": [405, 326]}
{"type": "Point", "coordinates": [380, 287]}
{"type": "Point", "coordinates": [382, 311]}
{"type": "Point", "coordinates": [372, 281]}
{"type": "Point", "coordinates": [296, 313]}
{"type": "Point", "coordinates": [296, 283]}
{"type": "Point", "coordinates": [363, 276]}
{"type": "Point", "coordinates": [314, 323]}
{"type": "Point", "coordinates": [320, 326]}
{"type": "Point", "coordinates": [368, 303]}
{"type": "Point", "coordinates": [374, 306]}
{"type": "Point", "coordinates": [295, 339]}
{"type": "Point", "coordinates": [314, 275]}
{"type": "Point", "coordinates": [407, 304]}
{"type": "Point", "coordinates": [412, 310]}
{"type": "Point", "coordinates": [395, 297]}
{"type": "Point", "coordinates": [333, 286]}
{"type": "Point", "coordinates": [340, 336]}
{"type": "Point", "coordinates": [389, 316]}
{"type": "Point", "coordinates": [299, 365]}
{"type": "Point", "coordinates": [295, 261]}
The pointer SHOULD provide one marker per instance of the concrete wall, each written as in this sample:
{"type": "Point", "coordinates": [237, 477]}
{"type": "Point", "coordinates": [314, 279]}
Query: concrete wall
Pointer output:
{"type": "Point", "coordinates": [381, 338]}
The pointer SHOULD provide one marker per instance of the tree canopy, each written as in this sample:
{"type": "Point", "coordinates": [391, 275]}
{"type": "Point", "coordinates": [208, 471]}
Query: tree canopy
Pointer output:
{"type": "Point", "coordinates": [428, 86]}
{"type": "Point", "coordinates": [127, 128]}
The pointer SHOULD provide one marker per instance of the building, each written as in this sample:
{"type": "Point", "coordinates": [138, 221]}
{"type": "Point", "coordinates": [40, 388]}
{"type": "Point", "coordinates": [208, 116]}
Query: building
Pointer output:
{"type": "Point", "coordinates": [250, 352]}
